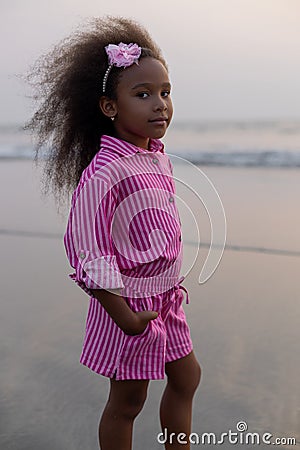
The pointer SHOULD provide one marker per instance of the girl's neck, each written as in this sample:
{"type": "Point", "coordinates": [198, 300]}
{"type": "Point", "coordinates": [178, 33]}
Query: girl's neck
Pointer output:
{"type": "Point", "coordinates": [138, 142]}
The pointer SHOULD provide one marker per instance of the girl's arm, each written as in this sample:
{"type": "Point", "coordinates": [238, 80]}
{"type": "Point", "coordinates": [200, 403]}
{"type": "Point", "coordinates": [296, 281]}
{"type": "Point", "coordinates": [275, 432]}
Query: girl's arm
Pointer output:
{"type": "Point", "coordinates": [130, 322]}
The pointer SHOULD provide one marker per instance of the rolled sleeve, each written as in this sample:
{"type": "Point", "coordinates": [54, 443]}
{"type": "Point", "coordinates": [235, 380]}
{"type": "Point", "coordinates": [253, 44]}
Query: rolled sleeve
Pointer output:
{"type": "Point", "coordinates": [99, 272]}
{"type": "Point", "coordinates": [95, 262]}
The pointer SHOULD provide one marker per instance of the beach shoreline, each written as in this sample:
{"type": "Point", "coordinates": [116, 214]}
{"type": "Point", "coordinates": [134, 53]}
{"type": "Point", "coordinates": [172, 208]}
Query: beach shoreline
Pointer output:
{"type": "Point", "coordinates": [244, 319]}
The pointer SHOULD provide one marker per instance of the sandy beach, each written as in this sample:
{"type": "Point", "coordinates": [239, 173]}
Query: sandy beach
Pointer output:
{"type": "Point", "coordinates": [244, 320]}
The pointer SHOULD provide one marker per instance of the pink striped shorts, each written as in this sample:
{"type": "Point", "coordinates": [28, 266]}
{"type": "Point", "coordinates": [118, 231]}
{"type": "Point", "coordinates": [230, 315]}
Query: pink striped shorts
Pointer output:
{"type": "Point", "coordinates": [124, 357]}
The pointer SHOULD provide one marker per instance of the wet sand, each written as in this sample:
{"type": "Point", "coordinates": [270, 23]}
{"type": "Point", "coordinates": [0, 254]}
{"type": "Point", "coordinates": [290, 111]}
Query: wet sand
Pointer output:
{"type": "Point", "coordinates": [244, 320]}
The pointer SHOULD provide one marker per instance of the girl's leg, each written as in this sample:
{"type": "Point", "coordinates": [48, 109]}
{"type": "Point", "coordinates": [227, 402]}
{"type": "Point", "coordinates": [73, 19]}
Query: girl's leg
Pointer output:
{"type": "Point", "coordinates": [176, 404]}
{"type": "Point", "coordinates": [126, 399]}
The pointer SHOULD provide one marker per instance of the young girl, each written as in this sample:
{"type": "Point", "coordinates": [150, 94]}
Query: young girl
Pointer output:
{"type": "Point", "coordinates": [106, 104]}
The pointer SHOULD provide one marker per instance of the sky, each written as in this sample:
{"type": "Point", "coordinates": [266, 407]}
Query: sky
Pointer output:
{"type": "Point", "coordinates": [228, 59]}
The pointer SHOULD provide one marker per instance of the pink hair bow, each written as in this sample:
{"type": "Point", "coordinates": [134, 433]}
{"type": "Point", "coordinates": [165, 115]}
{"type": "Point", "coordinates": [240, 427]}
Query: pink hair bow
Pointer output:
{"type": "Point", "coordinates": [121, 55]}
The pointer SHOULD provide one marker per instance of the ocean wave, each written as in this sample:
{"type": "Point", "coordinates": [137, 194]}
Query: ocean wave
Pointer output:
{"type": "Point", "coordinates": [275, 126]}
{"type": "Point", "coordinates": [284, 159]}
{"type": "Point", "coordinates": [215, 143]}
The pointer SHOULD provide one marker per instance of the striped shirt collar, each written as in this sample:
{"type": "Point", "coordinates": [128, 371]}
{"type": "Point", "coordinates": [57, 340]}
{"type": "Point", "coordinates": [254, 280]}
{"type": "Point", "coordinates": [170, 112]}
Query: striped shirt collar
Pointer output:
{"type": "Point", "coordinates": [125, 148]}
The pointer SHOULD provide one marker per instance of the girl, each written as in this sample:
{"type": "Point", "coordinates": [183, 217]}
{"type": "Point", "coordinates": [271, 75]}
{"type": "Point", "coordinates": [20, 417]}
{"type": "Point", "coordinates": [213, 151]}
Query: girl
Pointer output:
{"type": "Point", "coordinates": [106, 103]}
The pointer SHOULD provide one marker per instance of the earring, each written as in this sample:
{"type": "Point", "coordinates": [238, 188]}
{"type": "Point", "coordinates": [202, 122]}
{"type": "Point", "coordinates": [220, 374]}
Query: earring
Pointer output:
{"type": "Point", "coordinates": [112, 118]}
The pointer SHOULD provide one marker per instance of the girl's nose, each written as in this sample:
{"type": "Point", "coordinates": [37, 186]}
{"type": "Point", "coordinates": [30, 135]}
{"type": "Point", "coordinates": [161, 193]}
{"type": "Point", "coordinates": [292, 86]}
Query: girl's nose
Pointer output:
{"type": "Point", "coordinates": [160, 105]}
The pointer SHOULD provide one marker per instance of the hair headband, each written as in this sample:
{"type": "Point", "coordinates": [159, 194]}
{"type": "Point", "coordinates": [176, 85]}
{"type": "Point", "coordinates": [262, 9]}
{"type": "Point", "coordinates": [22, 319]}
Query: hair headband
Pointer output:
{"type": "Point", "coordinates": [121, 55]}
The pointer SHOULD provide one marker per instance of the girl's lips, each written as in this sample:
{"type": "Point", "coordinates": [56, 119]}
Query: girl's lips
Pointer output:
{"type": "Point", "coordinates": [159, 121]}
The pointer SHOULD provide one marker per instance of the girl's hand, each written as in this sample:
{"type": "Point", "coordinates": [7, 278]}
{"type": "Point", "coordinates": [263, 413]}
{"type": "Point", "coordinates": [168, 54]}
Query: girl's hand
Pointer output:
{"type": "Point", "coordinates": [130, 322]}
{"type": "Point", "coordinates": [142, 320]}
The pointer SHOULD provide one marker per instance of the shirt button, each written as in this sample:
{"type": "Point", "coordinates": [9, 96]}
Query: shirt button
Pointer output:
{"type": "Point", "coordinates": [155, 160]}
{"type": "Point", "coordinates": [82, 256]}
{"type": "Point", "coordinates": [180, 238]}
{"type": "Point", "coordinates": [171, 199]}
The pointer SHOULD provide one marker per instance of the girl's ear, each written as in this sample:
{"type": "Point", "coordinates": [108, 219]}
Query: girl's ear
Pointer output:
{"type": "Point", "coordinates": [108, 106]}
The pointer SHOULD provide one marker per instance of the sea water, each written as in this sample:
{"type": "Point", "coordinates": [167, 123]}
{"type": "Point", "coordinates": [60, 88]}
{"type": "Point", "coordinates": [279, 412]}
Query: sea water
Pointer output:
{"type": "Point", "coordinates": [216, 143]}
{"type": "Point", "coordinates": [244, 320]}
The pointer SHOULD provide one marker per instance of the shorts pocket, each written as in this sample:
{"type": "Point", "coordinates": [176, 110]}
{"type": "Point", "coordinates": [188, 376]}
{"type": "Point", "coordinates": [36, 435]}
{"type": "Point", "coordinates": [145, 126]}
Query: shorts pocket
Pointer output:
{"type": "Point", "coordinates": [152, 338]}
{"type": "Point", "coordinates": [146, 330]}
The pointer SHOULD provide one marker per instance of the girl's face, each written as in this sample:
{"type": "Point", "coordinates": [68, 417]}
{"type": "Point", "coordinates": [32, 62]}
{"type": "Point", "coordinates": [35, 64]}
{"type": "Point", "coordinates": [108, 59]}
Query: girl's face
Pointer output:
{"type": "Point", "coordinates": [143, 108]}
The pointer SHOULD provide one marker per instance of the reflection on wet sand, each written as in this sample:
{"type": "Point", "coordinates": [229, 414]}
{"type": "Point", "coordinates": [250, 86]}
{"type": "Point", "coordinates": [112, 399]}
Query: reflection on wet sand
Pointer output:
{"type": "Point", "coordinates": [244, 322]}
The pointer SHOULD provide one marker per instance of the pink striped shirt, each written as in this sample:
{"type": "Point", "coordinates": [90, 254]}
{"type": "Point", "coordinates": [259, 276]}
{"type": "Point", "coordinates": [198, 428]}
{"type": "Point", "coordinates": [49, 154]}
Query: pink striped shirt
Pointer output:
{"type": "Point", "coordinates": [123, 232]}
{"type": "Point", "coordinates": [124, 228]}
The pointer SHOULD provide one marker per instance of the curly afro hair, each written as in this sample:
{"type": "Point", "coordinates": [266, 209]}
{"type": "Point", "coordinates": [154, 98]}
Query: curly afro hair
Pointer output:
{"type": "Point", "coordinates": [68, 86]}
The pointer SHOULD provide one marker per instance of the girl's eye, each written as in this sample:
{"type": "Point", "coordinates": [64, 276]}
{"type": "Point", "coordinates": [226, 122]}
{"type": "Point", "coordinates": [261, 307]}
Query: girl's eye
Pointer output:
{"type": "Point", "coordinates": [165, 93]}
{"type": "Point", "coordinates": [143, 95]}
